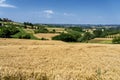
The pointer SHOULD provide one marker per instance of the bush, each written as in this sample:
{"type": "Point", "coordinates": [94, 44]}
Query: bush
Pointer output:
{"type": "Point", "coordinates": [71, 36]}
{"type": "Point", "coordinates": [41, 30]}
{"type": "Point", "coordinates": [79, 29]}
{"type": "Point", "coordinates": [6, 32]}
{"type": "Point", "coordinates": [116, 40]}
{"type": "Point", "coordinates": [65, 37]}
{"type": "Point", "coordinates": [86, 37]}
{"type": "Point", "coordinates": [76, 34]}
{"type": "Point", "coordinates": [43, 38]}
{"type": "Point", "coordinates": [24, 36]}
{"type": "Point", "coordinates": [99, 33]}
{"type": "Point", "coordinates": [53, 31]}
{"type": "Point", "coordinates": [13, 30]}
{"type": "Point", "coordinates": [81, 39]}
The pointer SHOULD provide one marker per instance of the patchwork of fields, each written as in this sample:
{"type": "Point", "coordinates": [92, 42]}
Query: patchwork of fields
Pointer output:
{"type": "Point", "coordinates": [56, 60]}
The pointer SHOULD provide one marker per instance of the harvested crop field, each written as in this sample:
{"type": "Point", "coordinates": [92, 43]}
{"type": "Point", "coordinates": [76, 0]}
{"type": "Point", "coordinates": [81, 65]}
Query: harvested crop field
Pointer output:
{"type": "Point", "coordinates": [55, 60]}
{"type": "Point", "coordinates": [57, 29]}
{"type": "Point", "coordinates": [46, 35]}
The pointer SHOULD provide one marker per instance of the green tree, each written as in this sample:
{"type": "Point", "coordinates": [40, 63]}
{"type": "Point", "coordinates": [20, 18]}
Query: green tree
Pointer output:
{"type": "Point", "coordinates": [28, 24]}
{"type": "Point", "coordinates": [86, 37]}
{"type": "Point", "coordinates": [65, 37]}
{"type": "Point", "coordinates": [41, 30]}
{"type": "Point", "coordinates": [116, 40]}
{"type": "Point", "coordinates": [6, 32]}
{"type": "Point", "coordinates": [79, 29]}
{"type": "Point", "coordinates": [24, 36]}
{"type": "Point", "coordinates": [53, 30]}
{"type": "Point", "coordinates": [97, 33]}
{"type": "Point", "coordinates": [1, 19]}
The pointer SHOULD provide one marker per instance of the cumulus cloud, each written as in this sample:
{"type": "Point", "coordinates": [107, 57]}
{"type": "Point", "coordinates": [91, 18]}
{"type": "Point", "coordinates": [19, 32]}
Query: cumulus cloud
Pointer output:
{"type": "Point", "coordinates": [4, 4]}
{"type": "Point", "coordinates": [48, 13]}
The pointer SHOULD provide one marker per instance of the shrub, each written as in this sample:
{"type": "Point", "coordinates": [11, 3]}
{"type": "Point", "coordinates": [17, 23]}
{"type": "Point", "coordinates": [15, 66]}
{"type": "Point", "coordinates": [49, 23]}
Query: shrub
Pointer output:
{"type": "Point", "coordinates": [24, 36]}
{"type": "Point", "coordinates": [65, 37]}
{"type": "Point", "coordinates": [86, 37]}
{"type": "Point", "coordinates": [53, 31]}
{"type": "Point", "coordinates": [79, 29]}
{"type": "Point", "coordinates": [71, 36]}
{"type": "Point", "coordinates": [116, 40]}
{"type": "Point", "coordinates": [43, 38]}
{"type": "Point", "coordinates": [41, 30]}
{"type": "Point", "coordinates": [75, 34]}
{"type": "Point", "coordinates": [81, 39]}
{"type": "Point", "coordinates": [99, 33]}
{"type": "Point", "coordinates": [13, 30]}
{"type": "Point", "coordinates": [6, 32]}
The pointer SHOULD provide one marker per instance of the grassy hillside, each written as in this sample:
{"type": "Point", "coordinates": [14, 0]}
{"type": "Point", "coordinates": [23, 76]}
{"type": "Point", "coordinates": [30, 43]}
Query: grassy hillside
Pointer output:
{"type": "Point", "coordinates": [24, 32]}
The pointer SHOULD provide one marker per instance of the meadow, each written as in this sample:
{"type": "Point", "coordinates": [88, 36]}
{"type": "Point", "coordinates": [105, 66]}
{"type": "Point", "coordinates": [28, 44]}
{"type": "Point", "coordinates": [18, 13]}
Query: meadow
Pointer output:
{"type": "Point", "coordinates": [101, 40]}
{"type": "Point", "coordinates": [22, 59]}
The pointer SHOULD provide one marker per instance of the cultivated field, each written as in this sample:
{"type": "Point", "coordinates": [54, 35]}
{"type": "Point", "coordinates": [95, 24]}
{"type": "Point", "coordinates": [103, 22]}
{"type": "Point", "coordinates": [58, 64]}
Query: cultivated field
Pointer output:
{"type": "Point", "coordinates": [101, 40]}
{"type": "Point", "coordinates": [46, 35]}
{"type": "Point", "coordinates": [112, 36]}
{"type": "Point", "coordinates": [57, 29]}
{"type": "Point", "coordinates": [54, 60]}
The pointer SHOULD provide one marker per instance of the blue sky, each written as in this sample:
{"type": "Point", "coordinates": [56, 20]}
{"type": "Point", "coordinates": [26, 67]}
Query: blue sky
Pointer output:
{"type": "Point", "coordinates": [62, 11]}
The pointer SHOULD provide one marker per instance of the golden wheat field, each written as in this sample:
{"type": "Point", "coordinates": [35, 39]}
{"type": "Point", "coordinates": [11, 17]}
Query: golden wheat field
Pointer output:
{"type": "Point", "coordinates": [46, 35]}
{"type": "Point", "coordinates": [55, 60]}
{"type": "Point", "coordinates": [57, 29]}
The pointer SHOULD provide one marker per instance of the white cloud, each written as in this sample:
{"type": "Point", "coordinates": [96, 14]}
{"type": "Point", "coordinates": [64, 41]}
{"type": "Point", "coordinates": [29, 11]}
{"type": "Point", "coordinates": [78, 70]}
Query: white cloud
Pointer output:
{"type": "Point", "coordinates": [1, 1]}
{"type": "Point", "coordinates": [4, 4]}
{"type": "Point", "coordinates": [48, 13]}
